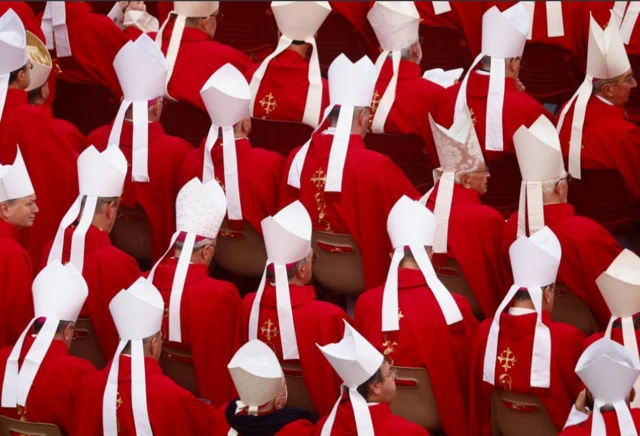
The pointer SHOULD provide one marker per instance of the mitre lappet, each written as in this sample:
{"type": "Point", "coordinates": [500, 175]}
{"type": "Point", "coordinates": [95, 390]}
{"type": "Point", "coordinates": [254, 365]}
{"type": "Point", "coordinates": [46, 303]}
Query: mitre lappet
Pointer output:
{"type": "Point", "coordinates": [40, 60]}
{"type": "Point", "coordinates": [14, 179]}
{"type": "Point", "coordinates": [54, 27]}
{"type": "Point", "coordinates": [13, 50]}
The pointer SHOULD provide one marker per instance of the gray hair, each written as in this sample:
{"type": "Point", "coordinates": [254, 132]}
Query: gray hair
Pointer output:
{"type": "Point", "coordinates": [199, 245]}
{"type": "Point", "coordinates": [600, 83]}
{"type": "Point", "coordinates": [548, 186]}
{"type": "Point", "coordinates": [290, 273]}
{"type": "Point", "coordinates": [100, 204]}
{"type": "Point", "coordinates": [335, 113]}
{"type": "Point", "coordinates": [486, 62]}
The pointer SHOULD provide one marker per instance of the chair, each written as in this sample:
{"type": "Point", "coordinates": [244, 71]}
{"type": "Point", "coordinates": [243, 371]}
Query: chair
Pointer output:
{"type": "Point", "coordinates": [186, 121]}
{"type": "Point", "coordinates": [132, 233]}
{"type": "Point", "coordinates": [85, 343]}
{"type": "Point", "coordinates": [602, 196]}
{"type": "Point", "coordinates": [337, 35]}
{"type": "Point", "coordinates": [241, 252]}
{"type": "Point", "coordinates": [11, 427]}
{"type": "Point", "coordinates": [339, 265]}
{"type": "Point", "coordinates": [444, 47]}
{"type": "Point", "coordinates": [548, 73]}
{"type": "Point", "coordinates": [409, 153]}
{"type": "Point", "coordinates": [86, 106]}
{"type": "Point", "coordinates": [415, 400]}
{"type": "Point", "coordinates": [280, 136]}
{"type": "Point", "coordinates": [177, 363]}
{"type": "Point", "coordinates": [298, 395]}
{"type": "Point", "coordinates": [514, 414]}
{"type": "Point", "coordinates": [454, 280]}
{"type": "Point", "coordinates": [570, 309]}
{"type": "Point", "coordinates": [503, 187]}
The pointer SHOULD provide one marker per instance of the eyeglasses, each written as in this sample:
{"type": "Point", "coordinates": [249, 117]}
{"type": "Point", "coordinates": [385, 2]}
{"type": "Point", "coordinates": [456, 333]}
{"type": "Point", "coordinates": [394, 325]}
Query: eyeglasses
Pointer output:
{"type": "Point", "coordinates": [393, 373]}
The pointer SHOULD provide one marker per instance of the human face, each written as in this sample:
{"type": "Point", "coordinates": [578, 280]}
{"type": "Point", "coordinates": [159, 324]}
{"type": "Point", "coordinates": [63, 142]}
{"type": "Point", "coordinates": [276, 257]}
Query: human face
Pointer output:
{"type": "Point", "coordinates": [477, 180]}
{"type": "Point", "coordinates": [21, 212]}
{"type": "Point", "coordinates": [388, 384]}
{"type": "Point", "coordinates": [618, 93]}
{"type": "Point", "coordinates": [210, 24]}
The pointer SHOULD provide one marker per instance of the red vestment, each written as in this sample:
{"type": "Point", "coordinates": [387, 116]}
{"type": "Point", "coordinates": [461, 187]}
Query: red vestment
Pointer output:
{"type": "Point", "coordinates": [283, 90]}
{"type": "Point", "coordinates": [55, 388]}
{"type": "Point", "coordinates": [445, 354]}
{"type": "Point", "coordinates": [385, 423]}
{"type": "Point", "coordinates": [516, 342]}
{"type": "Point", "coordinates": [415, 99]}
{"type": "Point", "coordinates": [259, 177]}
{"type": "Point", "coordinates": [356, 14]}
{"type": "Point", "coordinates": [158, 196]}
{"type": "Point", "coordinates": [49, 159]}
{"type": "Point", "coordinates": [16, 276]}
{"type": "Point", "coordinates": [475, 233]}
{"type": "Point", "coordinates": [172, 409]}
{"type": "Point", "coordinates": [609, 142]}
{"type": "Point", "coordinates": [67, 130]}
{"type": "Point", "coordinates": [300, 427]}
{"type": "Point", "coordinates": [26, 15]}
{"type": "Point", "coordinates": [601, 13]}
{"type": "Point", "coordinates": [203, 296]}
{"type": "Point", "coordinates": [101, 260]}
{"type": "Point", "coordinates": [315, 322]}
{"type": "Point", "coordinates": [199, 57]}
{"type": "Point", "coordinates": [610, 422]}
{"type": "Point", "coordinates": [587, 251]}
{"type": "Point", "coordinates": [519, 109]}
{"type": "Point", "coordinates": [371, 185]}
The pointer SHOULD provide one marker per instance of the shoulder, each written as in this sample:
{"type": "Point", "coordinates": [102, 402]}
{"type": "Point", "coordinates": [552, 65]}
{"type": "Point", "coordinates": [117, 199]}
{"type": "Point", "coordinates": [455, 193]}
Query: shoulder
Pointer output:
{"type": "Point", "coordinates": [523, 99]}
{"type": "Point", "coordinates": [248, 299]}
{"type": "Point", "coordinates": [99, 135]}
{"type": "Point", "coordinates": [425, 86]}
{"type": "Point", "coordinates": [407, 427]}
{"type": "Point", "coordinates": [11, 247]}
{"type": "Point", "coordinates": [175, 144]}
{"type": "Point", "coordinates": [371, 296]}
{"type": "Point", "coordinates": [323, 310]}
{"type": "Point", "coordinates": [267, 156]}
{"type": "Point", "coordinates": [567, 333]}
{"type": "Point", "coordinates": [220, 287]}
{"type": "Point", "coordinates": [76, 365]}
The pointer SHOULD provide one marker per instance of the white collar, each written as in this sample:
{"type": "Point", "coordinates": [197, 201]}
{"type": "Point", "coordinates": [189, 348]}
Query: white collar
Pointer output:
{"type": "Point", "coordinates": [372, 404]}
{"type": "Point", "coordinates": [483, 72]}
{"type": "Point", "coordinates": [517, 311]}
{"type": "Point", "coordinates": [329, 131]}
{"type": "Point", "coordinates": [604, 100]}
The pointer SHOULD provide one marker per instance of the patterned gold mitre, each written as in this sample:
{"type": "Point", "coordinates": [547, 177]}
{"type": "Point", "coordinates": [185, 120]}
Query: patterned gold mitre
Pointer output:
{"type": "Point", "coordinates": [37, 51]}
{"type": "Point", "coordinates": [458, 147]}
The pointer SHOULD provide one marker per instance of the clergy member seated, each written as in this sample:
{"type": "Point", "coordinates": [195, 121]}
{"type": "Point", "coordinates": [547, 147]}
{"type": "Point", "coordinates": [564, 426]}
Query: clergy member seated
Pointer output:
{"type": "Point", "coordinates": [402, 98]}
{"type": "Point", "coordinates": [587, 247]}
{"type": "Point", "coordinates": [154, 167]}
{"type": "Point", "coordinates": [521, 349]}
{"type": "Point", "coordinates": [608, 371]}
{"type": "Point", "coordinates": [413, 300]}
{"type": "Point", "coordinates": [262, 390]}
{"type": "Point", "coordinates": [111, 401]}
{"type": "Point", "coordinates": [284, 312]}
{"type": "Point", "coordinates": [40, 380]}
{"type": "Point", "coordinates": [355, 193]}
{"type": "Point", "coordinates": [287, 86]}
{"type": "Point", "coordinates": [467, 231]}
{"type": "Point", "coordinates": [493, 92]}
{"type": "Point", "coordinates": [83, 239]}
{"type": "Point", "coordinates": [250, 176]}
{"type": "Point", "coordinates": [18, 211]}
{"type": "Point", "coordinates": [191, 35]}
{"type": "Point", "coordinates": [368, 388]}
{"type": "Point", "coordinates": [191, 297]}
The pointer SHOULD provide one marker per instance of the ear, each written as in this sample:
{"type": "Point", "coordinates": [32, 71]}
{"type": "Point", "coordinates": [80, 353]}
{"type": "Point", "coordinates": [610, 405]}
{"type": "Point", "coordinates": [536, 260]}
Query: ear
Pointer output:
{"type": "Point", "coordinates": [68, 333]}
{"type": "Point", "coordinates": [363, 118]}
{"type": "Point", "coordinates": [376, 387]}
{"type": "Point", "coordinates": [632, 395]}
{"type": "Point", "coordinates": [4, 210]}
{"type": "Point", "coordinates": [157, 108]}
{"type": "Point", "coordinates": [246, 125]}
{"type": "Point", "coordinates": [42, 93]}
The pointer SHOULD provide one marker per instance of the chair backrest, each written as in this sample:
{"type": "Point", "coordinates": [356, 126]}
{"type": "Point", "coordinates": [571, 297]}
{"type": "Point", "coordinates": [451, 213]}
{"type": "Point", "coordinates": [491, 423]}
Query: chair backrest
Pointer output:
{"type": "Point", "coordinates": [444, 47]}
{"type": "Point", "coordinates": [177, 363]}
{"type": "Point", "coordinates": [279, 136]}
{"type": "Point", "coordinates": [337, 35]}
{"type": "Point", "coordinates": [603, 196]}
{"type": "Point", "coordinates": [241, 252]}
{"type": "Point", "coordinates": [132, 233]}
{"type": "Point", "coordinates": [86, 106]}
{"type": "Point", "coordinates": [186, 121]}
{"type": "Point", "coordinates": [514, 414]}
{"type": "Point", "coordinates": [248, 27]}
{"type": "Point", "coordinates": [298, 394]}
{"type": "Point", "coordinates": [11, 427]}
{"type": "Point", "coordinates": [85, 343]}
{"type": "Point", "coordinates": [548, 73]}
{"type": "Point", "coordinates": [415, 400]}
{"type": "Point", "coordinates": [409, 153]}
{"type": "Point", "coordinates": [570, 309]}
{"type": "Point", "coordinates": [503, 187]}
{"type": "Point", "coordinates": [453, 279]}
{"type": "Point", "coordinates": [339, 265]}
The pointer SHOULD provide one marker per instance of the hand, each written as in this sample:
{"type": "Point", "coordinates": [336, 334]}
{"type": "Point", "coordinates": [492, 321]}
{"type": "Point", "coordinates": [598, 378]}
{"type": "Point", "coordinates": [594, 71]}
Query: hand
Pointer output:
{"type": "Point", "coordinates": [520, 86]}
{"type": "Point", "coordinates": [581, 402]}
{"type": "Point", "coordinates": [132, 6]}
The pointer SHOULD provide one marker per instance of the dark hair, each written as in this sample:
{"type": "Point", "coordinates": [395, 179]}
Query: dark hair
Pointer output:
{"type": "Point", "coordinates": [145, 341]}
{"type": "Point", "coordinates": [523, 294]}
{"type": "Point", "coordinates": [13, 76]}
{"type": "Point", "coordinates": [38, 323]}
{"type": "Point", "coordinates": [364, 388]}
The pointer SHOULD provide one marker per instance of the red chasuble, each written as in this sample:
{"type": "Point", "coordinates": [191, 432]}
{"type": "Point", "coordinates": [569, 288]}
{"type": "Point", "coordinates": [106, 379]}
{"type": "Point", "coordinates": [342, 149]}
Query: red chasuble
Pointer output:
{"type": "Point", "coordinates": [172, 409]}
{"type": "Point", "coordinates": [610, 422]}
{"type": "Point", "coordinates": [101, 260]}
{"type": "Point", "coordinates": [49, 159]}
{"type": "Point", "coordinates": [158, 196]}
{"type": "Point", "coordinates": [16, 276]}
{"type": "Point", "coordinates": [259, 177]}
{"type": "Point", "coordinates": [94, 40]}
{"type": "Point", "coordinates": [601, 12]}
{"type": "Point", "coordinates": [299, 427]}
{"type": "Point", "coordinates": [513, 368]}
{"type": "Point", "coordinates": [67, 130]}
{"type": "Point", "coordinates": [519, 109]}
{"type": "Point", "coordinates": [587, 251]}
{"type": "Point", "coordinates": [445, 353]}
{"type": "Point", "coordinates": [415, 99]}
{"type": "Point", "coordinates": [283, 90]}
{"type": "Point", "coordinates": [356, 13]}
{"type": "Point", "coordinates": [609, 142]}
{"type": "Point", "coordinates": [199, 57]}
{"type": "Point", "coordinates": [25, 13]}
{"type": "Point", "coordinates": [55, 388]}
{"type": "Point", "coordinates": [208, 315]}
{"type": "Point", "coordinates": [315, 322]}
{"type": "Point", "coordinates": [385, 423]}
{"type": "Point", "coordinates": [371, 185]}
{"type": "Point", "coordinates": [475, 233]}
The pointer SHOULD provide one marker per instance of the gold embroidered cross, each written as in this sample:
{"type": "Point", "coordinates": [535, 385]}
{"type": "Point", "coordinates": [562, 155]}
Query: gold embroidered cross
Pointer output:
{"type": "Point", "coordinates": [390, 348]}
{"type": "Point", "coordinates": [119, 401]}
{"type": "Point", "coordinates": [22, 413]}
{"type": "Point", "coordinates": [474, 120]}
{"type": "Point", "coordinates": [400, 315]}
{"type": "Point", "coordinates": [221, 184]}
{"type": "Point", "coordinates": [507, 359]}
{"type": "Point", "coordinates": [269, 329]}
{"type": "Point", "coordinates": [319, 178]}
{"type": "Point", "coordinates": [268, 103]}
{"type": "Point", "coordinates": [374, 106]}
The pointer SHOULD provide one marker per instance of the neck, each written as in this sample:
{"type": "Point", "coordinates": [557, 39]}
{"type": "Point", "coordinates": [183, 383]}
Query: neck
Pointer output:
{"type": "Point", "coordinates": [297, 281]}
{"type": "Point", "coordinates": [524, 304]}
{"type": "Point", "coordinates": [101, 222]}
{"type": "Point", "coordinates": [301, 49]}
{"type": "Point", "coordinates": [605, 98]}
{"type": "Point", "coordinates": [409, 264]}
